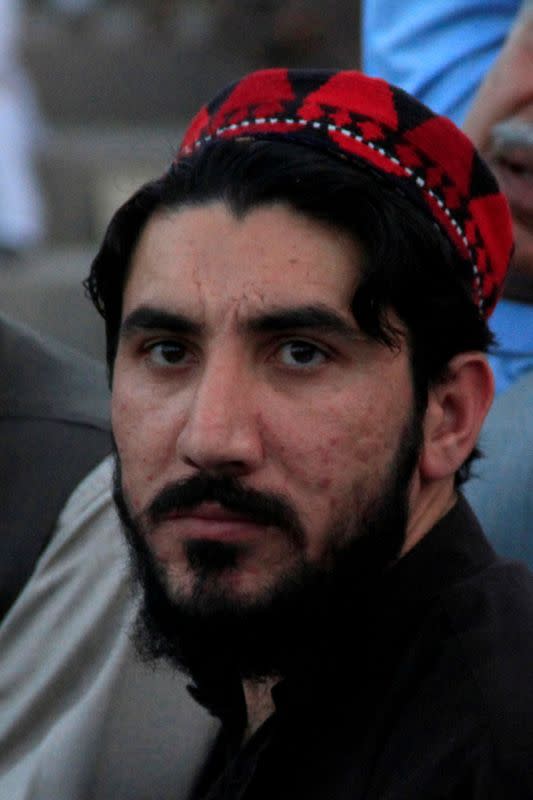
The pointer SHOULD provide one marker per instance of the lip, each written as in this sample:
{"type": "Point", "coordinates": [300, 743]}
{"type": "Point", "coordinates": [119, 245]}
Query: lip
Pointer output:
{"type": "Point", "coordinates": [210, 521]}
{"type": "Point", "coordinates": [511, 158]}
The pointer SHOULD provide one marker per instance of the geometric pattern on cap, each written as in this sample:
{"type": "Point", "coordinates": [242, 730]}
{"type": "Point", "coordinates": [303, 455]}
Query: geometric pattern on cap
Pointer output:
{"type": "Point", "coordinates": [380, 127]}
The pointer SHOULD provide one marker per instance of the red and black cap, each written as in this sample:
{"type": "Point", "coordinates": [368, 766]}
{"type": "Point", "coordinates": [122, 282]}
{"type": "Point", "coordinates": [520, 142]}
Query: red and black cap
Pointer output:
{"type": "Point", "coordinates": [381, 127]}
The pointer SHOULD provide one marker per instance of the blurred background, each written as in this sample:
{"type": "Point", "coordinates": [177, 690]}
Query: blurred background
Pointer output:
{"type": "Point", "coordinates": [94, 96]}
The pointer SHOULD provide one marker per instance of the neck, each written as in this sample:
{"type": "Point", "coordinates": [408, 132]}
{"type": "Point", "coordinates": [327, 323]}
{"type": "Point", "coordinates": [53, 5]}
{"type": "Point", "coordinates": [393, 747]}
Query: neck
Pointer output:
{"type": "Point", "coordinates": [259, 703]}
{"type": "Point", "coordinates": [429, 504]}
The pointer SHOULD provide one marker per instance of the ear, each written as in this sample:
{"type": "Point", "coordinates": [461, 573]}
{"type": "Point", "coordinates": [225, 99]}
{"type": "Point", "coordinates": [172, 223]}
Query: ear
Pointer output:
{"type": "Point", "coordinates": [456, 409]}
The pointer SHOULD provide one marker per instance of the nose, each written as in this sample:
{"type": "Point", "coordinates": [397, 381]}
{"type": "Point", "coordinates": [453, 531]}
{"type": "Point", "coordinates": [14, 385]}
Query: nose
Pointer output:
{"type": "Point", "coordinates": [221, 431]}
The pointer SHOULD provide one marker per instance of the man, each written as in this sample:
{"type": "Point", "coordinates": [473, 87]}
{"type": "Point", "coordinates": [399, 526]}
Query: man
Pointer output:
{"type": "Point", "coordinates": [441, 53]}
{"type": "Point", "coordinates": [500, 122]}
{"type": "Point", "coordinates": [69, 677]}
{"type": "Point", "coordinates": [296, 326]}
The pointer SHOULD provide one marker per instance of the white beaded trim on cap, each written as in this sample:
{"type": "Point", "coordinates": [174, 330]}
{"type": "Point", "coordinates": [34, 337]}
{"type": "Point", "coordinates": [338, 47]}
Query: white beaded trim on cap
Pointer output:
{"type": "Point", "coordinates": [358, 138]}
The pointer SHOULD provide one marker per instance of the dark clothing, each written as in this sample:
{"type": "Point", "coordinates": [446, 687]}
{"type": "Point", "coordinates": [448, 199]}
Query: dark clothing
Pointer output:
{"type": "Point", "coordinates": [429, 695]}
{"type": "Point", "coordinates": [53, 430]}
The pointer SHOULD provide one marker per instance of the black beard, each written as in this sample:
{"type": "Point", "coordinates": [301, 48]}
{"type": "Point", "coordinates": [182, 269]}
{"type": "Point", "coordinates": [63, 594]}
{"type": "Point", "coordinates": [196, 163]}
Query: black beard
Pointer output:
{"type": "Point", "coordinates": [309, 607]}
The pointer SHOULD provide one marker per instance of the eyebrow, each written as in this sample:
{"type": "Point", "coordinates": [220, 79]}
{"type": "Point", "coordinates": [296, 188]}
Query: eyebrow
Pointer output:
{"type": "Point", "coordinates": [146, 318]}
{"type": "Point", "coordinates": [315, 318]}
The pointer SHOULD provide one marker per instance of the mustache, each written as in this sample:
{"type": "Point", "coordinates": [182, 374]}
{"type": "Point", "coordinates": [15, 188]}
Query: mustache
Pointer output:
{"type": "Point", "coordinates": [260, 507]}
{"type": "Point", "coordinates": [510, 135]}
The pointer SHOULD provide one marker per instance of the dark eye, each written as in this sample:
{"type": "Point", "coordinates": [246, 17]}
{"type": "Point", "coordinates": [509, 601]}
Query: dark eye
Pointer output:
{"type": "Point", "coordinates": [301, 354]}
{"type": "Point", "coordinates": [168, 353]}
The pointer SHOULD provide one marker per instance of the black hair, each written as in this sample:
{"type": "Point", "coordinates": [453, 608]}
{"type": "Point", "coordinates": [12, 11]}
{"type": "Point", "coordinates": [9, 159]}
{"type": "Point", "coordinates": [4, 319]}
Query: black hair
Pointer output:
{"type": "Point", "coordinates": [409, 266]}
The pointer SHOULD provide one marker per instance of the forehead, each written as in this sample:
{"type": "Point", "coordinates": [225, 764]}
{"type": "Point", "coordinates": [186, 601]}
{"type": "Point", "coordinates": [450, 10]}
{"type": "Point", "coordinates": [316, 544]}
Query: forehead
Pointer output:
{"type": "Point", "coordinates": [204, 260]}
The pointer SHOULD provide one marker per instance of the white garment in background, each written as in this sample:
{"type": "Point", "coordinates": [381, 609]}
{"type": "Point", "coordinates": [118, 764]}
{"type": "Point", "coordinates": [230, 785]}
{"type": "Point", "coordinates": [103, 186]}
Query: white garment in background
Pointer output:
{"type": "Point", "coordinates": [80, 717]}
{"type": "Point", "coordinates": [21, 205]}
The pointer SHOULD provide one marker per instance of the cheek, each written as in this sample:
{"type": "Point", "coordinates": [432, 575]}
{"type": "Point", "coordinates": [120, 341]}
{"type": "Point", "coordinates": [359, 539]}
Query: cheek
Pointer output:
{"type": "Point", "coordinates": [144, 443]}
{"type": "Point", "coordinates": [328, 448]}
{"type": "Point", "coordinates": [335, 460]}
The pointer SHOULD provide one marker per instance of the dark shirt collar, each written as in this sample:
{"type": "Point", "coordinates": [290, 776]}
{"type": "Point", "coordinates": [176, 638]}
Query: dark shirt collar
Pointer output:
{"type": "Point", "coordinates": [451, 551]}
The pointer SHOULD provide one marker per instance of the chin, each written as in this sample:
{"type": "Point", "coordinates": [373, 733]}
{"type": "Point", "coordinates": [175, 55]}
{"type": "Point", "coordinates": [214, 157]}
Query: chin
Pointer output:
{"type": "Point", "coordinates": [221, 575]}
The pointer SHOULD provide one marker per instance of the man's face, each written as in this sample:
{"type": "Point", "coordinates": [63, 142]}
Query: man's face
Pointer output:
{"type": "Point", "coordinates": [500, 123]}
{"type": "Point", "coordinates": [239, 364]}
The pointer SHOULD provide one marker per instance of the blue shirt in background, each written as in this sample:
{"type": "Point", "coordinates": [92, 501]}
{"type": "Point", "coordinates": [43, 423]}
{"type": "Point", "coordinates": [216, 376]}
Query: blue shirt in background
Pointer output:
{"type": "Point", "coordinates": [512, 324]}
{"type": "Point", "coordinates": [438, 50]}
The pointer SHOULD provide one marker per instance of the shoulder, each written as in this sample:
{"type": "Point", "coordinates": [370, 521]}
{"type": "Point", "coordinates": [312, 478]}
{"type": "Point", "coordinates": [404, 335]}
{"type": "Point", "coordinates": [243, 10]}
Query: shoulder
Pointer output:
{"type": "Point", "coordinates": [491, 616]}
{"type": "Point", "coordinates": [457, 719]}
{"type": "Point", "coordinates": [465, 688]}
{"type": "Point", "coordinates": [73, 686]}
{"type": "Point", "coordinates": [489, 622]}
{"type": "Point", "coordinates": [54, 428]}
{"type": "Point", "coordinates": [45, 379]}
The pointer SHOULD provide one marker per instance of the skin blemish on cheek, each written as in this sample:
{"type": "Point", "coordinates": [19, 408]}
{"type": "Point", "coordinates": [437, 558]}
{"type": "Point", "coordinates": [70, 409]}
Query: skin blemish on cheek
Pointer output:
{"type": "Point", "coordinates": [331, 446]}
{"type": "Point", "coordinates": [326, 457]}
{"type": "Point", "coordinates": [332, 503]}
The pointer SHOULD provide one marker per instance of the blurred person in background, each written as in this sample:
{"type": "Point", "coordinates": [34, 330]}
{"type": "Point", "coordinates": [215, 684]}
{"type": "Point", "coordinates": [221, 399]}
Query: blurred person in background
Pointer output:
{"type": "Point", "coordinates": [473, 61]}
{"type": "Point", "coordinates": [70, 681]}
{"type": "Point", "coordinates": [21, 205]}
{"type": "Point", "coordinates": [500, 120]}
